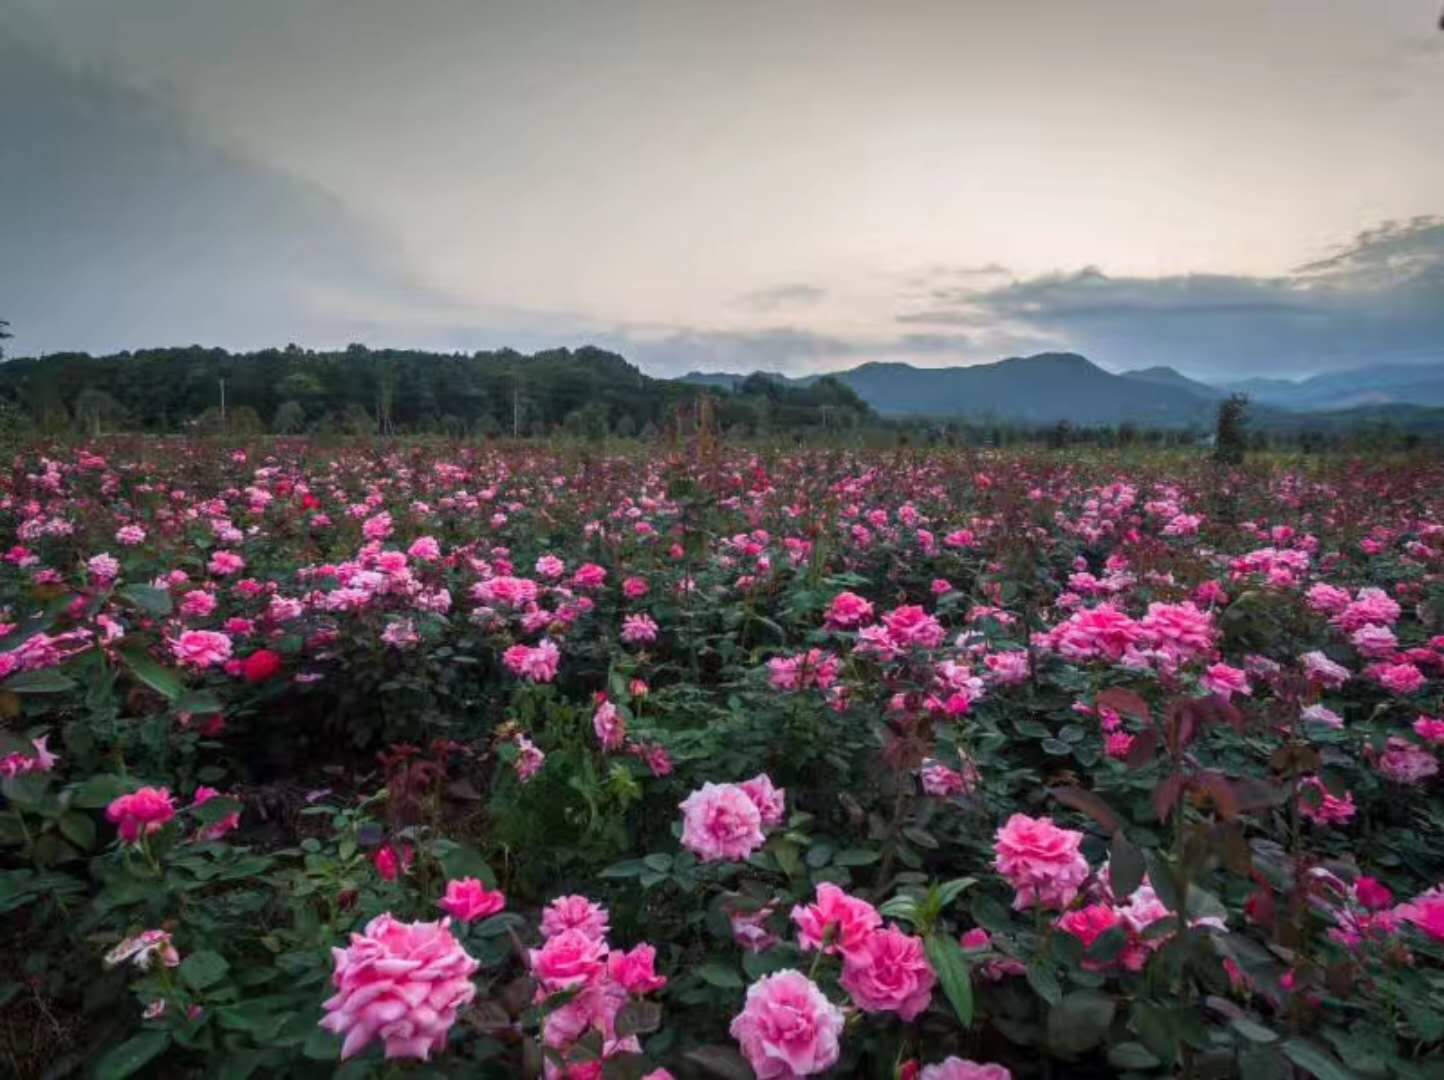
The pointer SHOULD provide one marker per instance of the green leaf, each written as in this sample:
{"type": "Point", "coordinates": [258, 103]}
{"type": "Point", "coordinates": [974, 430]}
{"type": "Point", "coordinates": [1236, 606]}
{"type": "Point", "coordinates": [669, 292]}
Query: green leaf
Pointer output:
{"type": "Point", "coordinates": [1044, 981]}
{"type": "Point", "coordinates": [900, 907]}
{"type": "Point", "coordinates": [921, 837]}
{"type": "Point", "coordinates": [148, 598]}
{"type": "Point", "coordinates": [1080, 1021]}
{"type": "Point", "coordinates": [1253, 1031]}
{"type": "Point", "coordinates": [99, 790]}
{"type": "Point", "coordinates": [659, 861]}
{"type": "Point", "coordinates": [720, 975]}
{"type": "Point", "coordinates": [78, 828]}
{"type": "Point", "coordinates": [628, 869]}
{"type": "Point", "coordinates": [856, 857]}
{"type": "Point", "coordinates": [1316, 1061]}
{"type": "Point", "coordinates": [215, 809]}
{"type": "Point", "coordinates": [132, 1055]}
{"type": "Point", "coordinates": [460, 861]}
{"type": "Point", "coordinates": [1131, 1056]}
{"type": "Point", "coordinates": [721, 1061]}
{"type": "Point", "coordinates": [162, 680]}
{"type": "Point", "coordinates": [951, 967]}
{"type": "Point", "coordinates": [44, 681]}
{"type": "Point", "coordinates": [202, 969]}
{"type": "Point", "coordinates": [1125, 866]}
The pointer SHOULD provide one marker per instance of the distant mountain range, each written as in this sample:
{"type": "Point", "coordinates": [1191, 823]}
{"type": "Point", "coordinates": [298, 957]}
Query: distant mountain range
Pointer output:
{"type": "Point", "coordinates": [1052, 387]}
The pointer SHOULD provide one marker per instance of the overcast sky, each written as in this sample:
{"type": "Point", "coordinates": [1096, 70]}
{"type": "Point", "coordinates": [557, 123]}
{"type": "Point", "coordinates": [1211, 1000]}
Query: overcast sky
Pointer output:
{"type": "Point", "coordinates": [1236, 187]}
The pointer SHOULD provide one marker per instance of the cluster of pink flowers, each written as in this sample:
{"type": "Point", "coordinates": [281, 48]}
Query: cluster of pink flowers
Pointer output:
{"type": "Point", "coordinates": [576, 959]}
{"type": "Point", "coordinates": [141, 813]}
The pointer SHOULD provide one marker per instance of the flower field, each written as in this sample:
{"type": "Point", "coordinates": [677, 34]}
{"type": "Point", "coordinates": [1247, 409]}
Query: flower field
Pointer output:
{"type": "Point", "coordinates": [454, 760]}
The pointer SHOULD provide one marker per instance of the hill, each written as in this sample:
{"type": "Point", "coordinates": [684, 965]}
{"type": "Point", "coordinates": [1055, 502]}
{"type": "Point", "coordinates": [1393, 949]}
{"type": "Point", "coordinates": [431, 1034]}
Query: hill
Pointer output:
{"type": "Point", "coordinates": [587, 391]}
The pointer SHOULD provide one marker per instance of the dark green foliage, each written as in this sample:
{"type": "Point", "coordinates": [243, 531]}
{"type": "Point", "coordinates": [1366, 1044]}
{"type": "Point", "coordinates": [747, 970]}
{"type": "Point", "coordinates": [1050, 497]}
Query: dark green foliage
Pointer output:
{"type": "Point", "coordinates": [1231, 436]}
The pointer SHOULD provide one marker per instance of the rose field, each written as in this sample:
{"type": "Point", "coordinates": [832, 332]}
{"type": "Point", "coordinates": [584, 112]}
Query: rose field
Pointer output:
{"type": "Point", "coordinates": [432, 759]}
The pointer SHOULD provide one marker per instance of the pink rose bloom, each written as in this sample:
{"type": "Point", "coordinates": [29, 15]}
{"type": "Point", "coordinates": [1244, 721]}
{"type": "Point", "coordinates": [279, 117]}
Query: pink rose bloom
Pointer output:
{"type": "Point", "coordinates": [1429, 729]}
{"type": "Point", "coordinates": [550, 567]}
{"type": "Point", "coordinates": [1041, 861]}
{"type": "Point", "coordinates": [609, 726]}
{"type": "Point", "coordinates": [197, 604]}
{"type": "Point", "coordinates": [1374, 641]}
{"type": "Point", "coordinates": [749, 928]}
{"type": "Point", "coordinates": [467, 900]}
{"type": "Point", "coordinates": [1371, 605]}
{"type": "Point", "coordinates": [141, 813]}
{"type": "Point", "coordinates": [889, 972]}
{"type": "Point", "coordinates": [1405, 763]}
{"type": "Point", "coordinates": [1426, 912]}
{"type": "Point", "coordinates": [424, 549]}
{"type": "Point", "coordinates": [535, 664]}
{"type": "Point", "coordinates": [219, 829]}
{"type": "Point", "coordinates": [1398, 678]}
{"type": "Point", "coordinates": [569, 959]}
{"type": "Point", "coordinates": [841, 920]}
{"type": "Point", "coordinates": [1326, 809]}
{"type": "Point", "coordinates": [1327, 599]}
{"type": "Point", "coordinates": [589, 576]}
{"type": "Point", "coordinates": [1007, 668]}
{"type": "Point", "coordinates": [529, 759]}
{"type": "Point", "coordinates": [911, 625]}
{"type": "Point", "coordinates": [771, 802]}
{"type": "Point", "coordinates": [639, 630]}
{"type": "Point", "coordinates": [721, 822]}
{"type": "Point", "coordinates": [1089, 924]}
{"type": "Point", "coordinates": [1225, 681]}
{"type": "Point", "coordinates": [942, 782]}
{"type": "Point", "coordinates": [956, 1068]}
{"type": "Point", "coordinates": [1372, 894]}
{"type": "Point", "coordinates": [848, 610]}
{"type": "Point", "coordinates": [19, 763]}
{"type": "Point", "coordinates": [401, 983]}
{"type": "Point", "coordinates": [225, 563]}
{"type": "Point", "coordinates": [634, 588]}
{"type": "Point", "coordinates": [634, 971]}
{"type": "Point", "coordinates": [1320, 669]}
{"type": "Point", "coordinates": [575, 913]}
{"type": "Point", "coordinates": [1181, 629]}
{"type": "Point", "coordinates": [201, 648]}
{"type": "Point", "coordinates": [788, 1028]}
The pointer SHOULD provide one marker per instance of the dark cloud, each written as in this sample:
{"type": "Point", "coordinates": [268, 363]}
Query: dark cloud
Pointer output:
{"type": "Point", "coordinates": [797, 294]}
{"type": "Point", "coordinates": [119, 219]}
{"type": "Point", "coordinates": [1378, 299]}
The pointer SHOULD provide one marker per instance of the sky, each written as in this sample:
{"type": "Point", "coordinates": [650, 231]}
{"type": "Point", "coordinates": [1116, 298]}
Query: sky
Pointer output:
{"type": "Point", "coordinates": [1237, 188]}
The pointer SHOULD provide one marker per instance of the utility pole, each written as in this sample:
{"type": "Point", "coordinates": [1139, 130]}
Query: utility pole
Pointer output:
{"type": "Point", "coordinates": [515, 410]}
{"type": "Point", "coordinates": [223, 403]}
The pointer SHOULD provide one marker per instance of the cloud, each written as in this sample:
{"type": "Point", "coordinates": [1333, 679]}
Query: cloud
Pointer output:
{"type": "Point", "coordinates": [125, 227]}
{"type": "Point", "coordinates": [798, 294]}
{"type": "Point", "coordinates": [1376, 299]}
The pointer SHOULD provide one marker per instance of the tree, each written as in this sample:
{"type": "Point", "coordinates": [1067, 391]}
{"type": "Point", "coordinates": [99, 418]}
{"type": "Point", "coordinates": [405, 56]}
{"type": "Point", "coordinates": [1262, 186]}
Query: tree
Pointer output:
{"type": "Point", "coordinates": [290, 418]}
{"type": "Point", "coordinates": [1231, 434]}
{"type": "Point", "coordinates": [95, 408]}
{"type": "Point", "coordinates": [4, 333]}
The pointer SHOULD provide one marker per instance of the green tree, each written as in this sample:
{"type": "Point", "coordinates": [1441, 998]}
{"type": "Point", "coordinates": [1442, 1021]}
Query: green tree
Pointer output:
{"type": "Point", "coordinates": [4, 334]}
{"type": "Point", "coordinates": [1231, 432]}
{"type": "Point", "coordinates": [290, 418]}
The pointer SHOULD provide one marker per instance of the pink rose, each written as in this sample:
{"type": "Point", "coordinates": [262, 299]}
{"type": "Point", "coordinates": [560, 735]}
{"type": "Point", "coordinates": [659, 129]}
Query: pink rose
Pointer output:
{"type": "Point", "coordinates": [889, 972]}
{"type": "Point", "coordinates": [201, 648]}
{"type": "Point", "coordinates": [568, 959]}
{"type": "Point", "coordinates": [1041, 861]}
{"type": "Point", "coordinates": [467, 900]}
{"type": "Point", "coordinates": [721, 822]}
{"type": "Point", "coordinates": [841, 920]}
{"type": "Point", "coordinates": [788, 1028]}
{"type": "Point", "coordinates": [956, 1068]}
{"type": "Point", "coordinates": [141, 813]}
{"type": "Point", "coordinates": [575, 913]}
{"type": "Point", "coordinates": [771, 802]}
{"type": "Point", "coordinates": [401, 983]}
{"type": "Point", "coordinates": [635, 970]}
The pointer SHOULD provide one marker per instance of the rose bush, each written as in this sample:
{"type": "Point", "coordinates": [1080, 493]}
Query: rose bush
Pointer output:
{"type": "Point", "coordinates": [527, 761]}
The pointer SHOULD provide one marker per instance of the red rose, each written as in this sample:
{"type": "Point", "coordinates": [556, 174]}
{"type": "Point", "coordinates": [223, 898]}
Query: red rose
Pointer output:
{"type": "Point", "coordinates": [261, 665]}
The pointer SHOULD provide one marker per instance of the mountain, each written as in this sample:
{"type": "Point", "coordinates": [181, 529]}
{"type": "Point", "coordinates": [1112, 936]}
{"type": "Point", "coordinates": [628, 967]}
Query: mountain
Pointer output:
{"type": "Point", "coordinates": [1386, 384]}
{"type": "Point", "coordinates": [1167, 376]}
{"type": "Point", "coordinates": [1034, 390]}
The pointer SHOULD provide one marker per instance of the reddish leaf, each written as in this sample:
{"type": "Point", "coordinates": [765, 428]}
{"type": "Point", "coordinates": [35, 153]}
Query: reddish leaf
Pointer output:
{"type": "Point", "coordinates": [1222, 794]}
{"type": "Point", "coordinates": [1123, 702]}
{"type": "Point", "coordinates": [1088, 802]}
{"type": "Point", "coordinates": [1167, 794]}
{"type": "Point", "coordinates": [1143, 749]}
